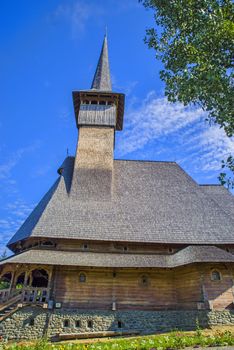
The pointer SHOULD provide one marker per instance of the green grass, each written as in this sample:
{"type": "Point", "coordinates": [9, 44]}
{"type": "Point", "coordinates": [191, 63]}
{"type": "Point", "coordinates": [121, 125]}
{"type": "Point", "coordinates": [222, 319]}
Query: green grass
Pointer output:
{"type": "Point", "coordinates": [174, 340]}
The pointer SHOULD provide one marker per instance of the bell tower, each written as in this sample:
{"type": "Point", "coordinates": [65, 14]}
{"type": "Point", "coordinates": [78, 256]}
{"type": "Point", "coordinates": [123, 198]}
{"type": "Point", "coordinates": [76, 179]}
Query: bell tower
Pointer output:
{"type": "Point", "coordinates": [99, 113]}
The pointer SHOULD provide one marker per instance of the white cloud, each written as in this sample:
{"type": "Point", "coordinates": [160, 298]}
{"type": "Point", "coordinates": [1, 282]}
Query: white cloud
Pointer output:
{"type": "Point", "coordinates": [77, 13]}
{"type": "Point", "coordinates": [14, 215]}
{"type": "Point", "coordinates": [7, 166]}
{"type": "Point", "coordinates": [180, 131]}
{"type": "Point", "coordinates": [14, 212]}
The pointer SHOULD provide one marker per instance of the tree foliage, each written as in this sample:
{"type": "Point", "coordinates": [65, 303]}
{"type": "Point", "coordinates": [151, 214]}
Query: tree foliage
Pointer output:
{"type": "Point", "coordinates": [195, 41]}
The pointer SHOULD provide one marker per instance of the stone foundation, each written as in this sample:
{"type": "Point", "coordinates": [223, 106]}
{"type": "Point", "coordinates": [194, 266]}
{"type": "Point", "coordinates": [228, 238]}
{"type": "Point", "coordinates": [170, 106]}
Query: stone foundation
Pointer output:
{"type": "Point", "coordinates": [35, 322]}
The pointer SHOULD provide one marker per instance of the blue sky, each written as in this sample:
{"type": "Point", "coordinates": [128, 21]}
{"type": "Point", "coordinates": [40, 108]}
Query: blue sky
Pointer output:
{"type": "Point", "coordinates": [48, 49]}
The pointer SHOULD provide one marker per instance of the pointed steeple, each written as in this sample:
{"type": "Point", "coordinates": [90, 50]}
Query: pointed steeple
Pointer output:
{"type": "Point", "coordinates": [102, 80]}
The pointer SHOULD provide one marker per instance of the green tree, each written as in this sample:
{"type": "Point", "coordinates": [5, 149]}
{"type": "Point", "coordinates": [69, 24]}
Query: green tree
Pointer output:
{"type": "Point", "coordinates": [194, 39]}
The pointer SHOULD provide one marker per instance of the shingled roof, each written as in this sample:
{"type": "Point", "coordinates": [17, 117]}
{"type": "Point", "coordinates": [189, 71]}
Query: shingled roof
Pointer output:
{"type": "Point", "coordinates": [136, 202]}
{"type": "Point", "coordinates": [102, 79]}
{"type": "Point", "coordinates": [221, 196]}
{"type": "Point", "coordinates": [189, 255]}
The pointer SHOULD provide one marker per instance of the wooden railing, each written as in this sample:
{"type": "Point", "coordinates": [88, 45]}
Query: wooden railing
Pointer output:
{"type": "Point", "coordinates": [8, 296]}
{"type": "Point", "coordinates": [10, 302]}
{"type": "Point", "coordinates": [4, 295]}
{"type": "Point", "coordinates": [26, 295]}
{"type": "Point", "coordinates": [35, 295]}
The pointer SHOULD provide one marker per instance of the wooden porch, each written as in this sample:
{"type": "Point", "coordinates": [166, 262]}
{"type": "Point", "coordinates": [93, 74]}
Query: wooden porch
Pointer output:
{"type": "Point", "coordinates": [25, 295]}
{"type": "Point", "coordinates": [25, 284]}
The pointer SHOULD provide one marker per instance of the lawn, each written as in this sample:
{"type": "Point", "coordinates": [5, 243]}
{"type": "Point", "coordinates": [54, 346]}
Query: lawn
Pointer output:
{"type": "Point", "coordinates": [168, 341]}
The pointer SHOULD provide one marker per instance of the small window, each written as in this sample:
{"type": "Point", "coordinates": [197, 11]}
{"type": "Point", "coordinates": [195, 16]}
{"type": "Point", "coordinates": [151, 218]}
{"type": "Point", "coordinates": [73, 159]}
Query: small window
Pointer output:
{"type": "Point", "coordinates": [47, 244]}
{"type": "Point", "coordinates": [93, 102]}
{"type": "Point", "coordinates": [125, 248]}
{"type": "Point", "coordinates": [90, 324]}
{"type": "Point", "coordinates": [215, 275]}
{"type": "Point", "coordinates": [114, 274]}
{"type": "Point", "coordinates": [31, 322]}
{"type": "Point", "coordinates": [102, 102]}
{"type": "Point", "coordinates": [170, 250]}
{"type": "Point", "coordinates": [77, 323]}
{"type": "Point", "coordinates": [144, 280]}
{"type": "Point", "coordinates": [120, 324]}
{"type": "Point", "coordinates": [82, 277]}
{"type": "Point", "coordinates": [66, 323]}
{"type": "Point", "coordinates": [85, 246]}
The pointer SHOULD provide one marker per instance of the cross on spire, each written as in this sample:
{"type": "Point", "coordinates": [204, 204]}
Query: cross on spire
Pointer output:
{"type": "Point", "coordinates": [102, 80]}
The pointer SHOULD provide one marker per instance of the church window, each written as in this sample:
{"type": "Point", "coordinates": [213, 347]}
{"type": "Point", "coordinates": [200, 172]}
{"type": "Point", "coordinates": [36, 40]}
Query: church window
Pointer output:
{"type": "Point", "coordinates": [144, 280]}
{"type": "Point", "coordinates": [82, 277]}
{"type": "Point", "coordinates": [47, 244]}
{"type": "Point", "coordinates": [215, 275]}
{"type": "Point", "coordinates": [40, 278]}
{"type": "Point", "coordinates": [31, 322]}
{"type": "Point", "coordinates": [5, 280]}
{"type": "Point", "coordinates": [66, 323]}
{"type": "Point", "coordinates": [77, 323]}
{"type": "Point", "coordinates": [20, 281]}
{"type": "Point", "coordinates": [120, 324]}
{"type": "Point", "coordinates": [90, 324]}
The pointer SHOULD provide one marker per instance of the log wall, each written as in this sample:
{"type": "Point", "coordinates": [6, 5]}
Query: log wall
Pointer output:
{"type": "Point", "coordinates": [127, 289]}
{"type": "Point", "coordinates": [181, 288]}
{"type": "Point", "coordinates": [162, 289]}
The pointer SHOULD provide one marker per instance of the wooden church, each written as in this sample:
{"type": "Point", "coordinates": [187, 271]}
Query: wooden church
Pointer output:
{"type": "Point", "coordinates": [118, 245]}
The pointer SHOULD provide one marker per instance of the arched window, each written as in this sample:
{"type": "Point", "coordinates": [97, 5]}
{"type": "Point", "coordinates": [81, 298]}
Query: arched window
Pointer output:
{"type": "Point", "coordinates": [5, 280]}
{"type": "Point", "coordinates": [20, 281]}
{"type": "Point", "coordinates": [215, 275]}
{"type": "Point", "coordinates": [82, 277]}
{"type": "Point", "coordinates": [39, 278]}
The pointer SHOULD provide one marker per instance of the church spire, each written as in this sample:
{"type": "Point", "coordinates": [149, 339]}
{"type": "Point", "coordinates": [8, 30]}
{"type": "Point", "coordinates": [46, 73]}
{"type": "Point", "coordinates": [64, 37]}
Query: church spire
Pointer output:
{"type": "Point", "coordinates": [102, 80]}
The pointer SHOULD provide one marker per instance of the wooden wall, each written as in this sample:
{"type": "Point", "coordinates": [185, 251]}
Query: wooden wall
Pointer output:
{"type": "Point", "coordinates": [95, 246]}
{"type": "Point", "coordinates": [188, 286]}
{"type": "Point", "coordinates": [126, 289]}
{"type": "Point", "coordinates": [194, 284]}
{"type": "Point", "coordinates": [220, 293]}
{"type": "Point", "coordinates": [180, 288]}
